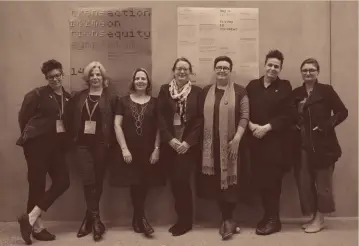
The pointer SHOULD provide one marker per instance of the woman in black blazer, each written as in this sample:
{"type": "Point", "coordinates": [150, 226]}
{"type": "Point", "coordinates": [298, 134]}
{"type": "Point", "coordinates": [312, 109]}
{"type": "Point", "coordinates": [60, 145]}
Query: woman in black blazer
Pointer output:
{"type": "Point", "coordinates": [319, 111]}
{"type": "Point", "coordinates": [180, 124]}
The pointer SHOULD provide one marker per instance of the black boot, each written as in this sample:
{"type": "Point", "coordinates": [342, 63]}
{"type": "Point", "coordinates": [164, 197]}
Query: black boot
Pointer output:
{"type": "Point", "coordinates": [136, 224]}
{"type": "Point", "coordinates": [96, 226]}
{"type": "Point", "coordinates": [86, 226]}
{"type": "Point", "coordinates": [271, 225]}
{"type": "Point", "coordinates": [147, 228]}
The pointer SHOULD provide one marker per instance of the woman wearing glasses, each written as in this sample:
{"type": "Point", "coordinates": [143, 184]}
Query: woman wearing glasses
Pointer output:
{"type": "Point", "coordinates": [135, 158]}
{"type": "Point", "coordinates": [226, 113]}
{"type": "Point", "coordinates": [44, 141]}
{"type": "Point", "coordinates": [180, 128]}
{"type": "Point", "coordinates": [319, 111]}
{"type": "Point", "coordinates": [89, 120]}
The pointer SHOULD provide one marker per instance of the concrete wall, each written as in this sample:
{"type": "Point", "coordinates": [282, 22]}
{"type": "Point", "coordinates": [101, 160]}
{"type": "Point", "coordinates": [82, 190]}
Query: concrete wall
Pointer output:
{"type": "Point", "coordinates": [32, 32]}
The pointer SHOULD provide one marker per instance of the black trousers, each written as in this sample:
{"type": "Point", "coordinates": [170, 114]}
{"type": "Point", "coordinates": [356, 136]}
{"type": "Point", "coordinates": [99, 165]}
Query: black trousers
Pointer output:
{"type": "Point", "coordinates": [182, 193]}
{"type": "Point", "coordinates": [46, 155]}
{"type": "Point", "coordinates": [271, 197]}
{"type": "Point", "coordinates": [138, 198]}
{"type": "Point", "coordinates": [91, 162]}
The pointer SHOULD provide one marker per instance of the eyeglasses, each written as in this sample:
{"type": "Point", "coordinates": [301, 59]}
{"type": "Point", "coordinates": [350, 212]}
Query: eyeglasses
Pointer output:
{"type": "Point", "coordinates": [224, 68]}
{"type": "Point", "coordinates": [309, 70]}
{"type": "Point", "coordinates": [55, 76]}
{"type": "Point", "coordinates": [184, 69]}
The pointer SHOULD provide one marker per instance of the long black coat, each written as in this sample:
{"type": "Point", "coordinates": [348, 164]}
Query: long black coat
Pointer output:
{"type": "Point", "coordinates": [179, 166]}
{"type": "Point", "coordinates": [269, 156]}
{"type": "Point", "coordinates": [321, 145]}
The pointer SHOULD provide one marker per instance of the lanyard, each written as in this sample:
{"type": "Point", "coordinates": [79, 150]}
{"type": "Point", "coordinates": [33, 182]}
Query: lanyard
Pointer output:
{"type": "Point", "coordinates": [88, 108]}
{"type": "Point", "coordinates": [61, 108]}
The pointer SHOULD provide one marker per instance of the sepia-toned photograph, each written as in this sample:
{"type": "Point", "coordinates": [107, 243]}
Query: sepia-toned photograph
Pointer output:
{"type": "Point", "coordinates": [179, 123]}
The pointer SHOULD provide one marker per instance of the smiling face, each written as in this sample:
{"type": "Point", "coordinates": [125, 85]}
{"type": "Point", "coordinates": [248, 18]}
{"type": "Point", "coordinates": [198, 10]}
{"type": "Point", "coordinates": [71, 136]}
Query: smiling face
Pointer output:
{"type": "Point", "coordinates": [54, 78]}
{"type": "Point", "coordinates": [222, 70]}
{"type": "Point", "coordinates": [140, 81]}
{"type": "Point", "coordinates": [181, 72]}
{"type": "Point", "coordinates": [272, 68]}
{"type": "Point", "coordinates": [95, 78]}
{"type": "Point", "coordinates": [309, 72]}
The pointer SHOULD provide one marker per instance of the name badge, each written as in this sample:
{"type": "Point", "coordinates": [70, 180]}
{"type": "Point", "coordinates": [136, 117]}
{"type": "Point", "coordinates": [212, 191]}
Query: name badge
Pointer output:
{"type": "Point", "coordinates": [90, 127]}
{"type": "Point", "coordinates": [60, 126]}
{"type": "Point", "coordinates": [177, 120]}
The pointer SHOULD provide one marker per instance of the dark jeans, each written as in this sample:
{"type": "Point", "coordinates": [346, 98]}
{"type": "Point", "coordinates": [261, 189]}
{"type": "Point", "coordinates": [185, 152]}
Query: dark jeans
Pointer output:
{"type": "Point", "coordinates": [315, 187]}
{"type": "Point", "coordinates": [91, 162]}
{"type": "Point", "coordinates": [46, 155]}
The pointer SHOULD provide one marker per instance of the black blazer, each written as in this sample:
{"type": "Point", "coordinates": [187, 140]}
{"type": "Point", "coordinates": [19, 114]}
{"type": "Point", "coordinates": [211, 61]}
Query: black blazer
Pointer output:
{"type": "Point", "coordinates": [39, 112]}
{"type": "Point", "coordinates": [167, 109]}
{"type": "Point", "coordinates": [317, 112]}
{"type": "Point", "coordinates": [72, 116]}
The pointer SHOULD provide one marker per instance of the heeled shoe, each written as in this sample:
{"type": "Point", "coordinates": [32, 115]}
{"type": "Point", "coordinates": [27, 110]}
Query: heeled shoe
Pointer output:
{"type": "Point", "coordinates": [96, 227]}
{"type": "Point", "coordinates": [136, 225]}
{"type": "Point", "coordinates": [86, 226]}
{"type": "Point", "coordinates": [147, 228]}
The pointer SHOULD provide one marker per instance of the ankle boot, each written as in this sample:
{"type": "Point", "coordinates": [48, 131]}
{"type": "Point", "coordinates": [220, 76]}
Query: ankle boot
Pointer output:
{"type": "Point", "coordinates": [147, 228]}
{"type": "Point", "coordinates": [136, 224]}
{"type": "Point", "coordinates": [86, 226]}
{"type": "Point", "coordinates": [96, 226]}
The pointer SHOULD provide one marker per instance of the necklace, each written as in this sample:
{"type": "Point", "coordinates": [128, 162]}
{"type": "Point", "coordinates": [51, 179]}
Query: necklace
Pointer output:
{"type": "Point", "coordinates": [94, 101]}
{"type": "Point", "coordinates": [138, 114]}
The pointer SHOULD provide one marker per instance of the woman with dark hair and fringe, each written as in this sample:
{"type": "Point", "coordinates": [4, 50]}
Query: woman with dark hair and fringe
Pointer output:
{"type": "Point", "coordinates": [319, 111]}
{"type": "Point", "coordinates": [226, 114]}
{"type": "Point", "coordinates": [89, 120]}
{"type": "Point", "coordinates": [180, 124]}
{"type": "Point", "coordinates": [269, 125]}
{"type": "Point", "coordinates": [44, 141]}
{"type": "Point", "coordinates": [135, 158]}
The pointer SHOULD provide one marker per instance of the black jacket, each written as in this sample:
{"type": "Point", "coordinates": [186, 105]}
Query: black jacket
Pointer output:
{"type": "Point", "coordinates": [270, 105]}
{"type": "Point", "coordinates": [72, 116]}
{"type": "Point", "coordinates": [322, 145]}
{"type": "Point", "coordinates": [38, 113]}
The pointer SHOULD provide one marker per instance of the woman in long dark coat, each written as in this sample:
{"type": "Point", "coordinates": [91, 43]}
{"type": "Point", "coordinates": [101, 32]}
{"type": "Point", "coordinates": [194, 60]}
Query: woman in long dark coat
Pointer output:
{"type": "Point", "coordinates": [317, 148]}
{"type": "Point", "coordinates": [135, 158]}
{"type": "Point", "coordinates": [226, 114]}
{"type": "Point", "coordinates": [180, 128]}
{"type": "Point", "coordinates": [270, 112]}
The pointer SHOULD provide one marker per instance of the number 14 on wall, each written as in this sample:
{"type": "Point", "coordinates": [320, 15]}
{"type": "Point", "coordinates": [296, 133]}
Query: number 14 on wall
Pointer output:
{"type": "Point", "coordinates": [75, 71]}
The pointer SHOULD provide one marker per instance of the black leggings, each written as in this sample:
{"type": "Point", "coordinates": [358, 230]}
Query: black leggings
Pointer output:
{"type": "Point", "coordinates": [227, 209]}
{"type": "Point", "coordinates": [138, 197]}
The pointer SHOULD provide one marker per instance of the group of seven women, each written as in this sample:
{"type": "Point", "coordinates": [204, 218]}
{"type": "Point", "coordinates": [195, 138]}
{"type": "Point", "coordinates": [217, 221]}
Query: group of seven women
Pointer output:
{"type": "Point", "coordinates": [233, 137]}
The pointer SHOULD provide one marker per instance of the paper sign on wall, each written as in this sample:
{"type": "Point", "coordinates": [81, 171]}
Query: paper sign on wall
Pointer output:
{"type": "Point", "coordinates": [205, 33]}
{"type": "Point", "coordinates": [118, 38]}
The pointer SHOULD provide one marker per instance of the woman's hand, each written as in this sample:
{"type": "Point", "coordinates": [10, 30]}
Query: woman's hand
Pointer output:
{"type": "Point", "coordinates": [183, 148]}
{"type": "Point", "coordinates": [233, 148]}
{"type": "Point", "coordinates": [261, 131]}
{"type": "Point", "coordinates": [174, 143]}
{"type": "Point", "coordinates": [127, 156]}
{"type": "Point", "coordinates": [155, 156]}
{"type": "Point", "coordinates": [252, 126]}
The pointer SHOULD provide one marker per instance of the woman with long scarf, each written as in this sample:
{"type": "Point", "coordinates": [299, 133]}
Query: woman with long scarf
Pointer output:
{"type": "Point", "coordinates": [226, 113]}
{"type": "Point", "coordinates": [180, 122]}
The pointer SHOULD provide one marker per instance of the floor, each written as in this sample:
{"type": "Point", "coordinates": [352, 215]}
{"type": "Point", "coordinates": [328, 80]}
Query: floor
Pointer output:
{"type": "Point", "coordinates": [339, 232]}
